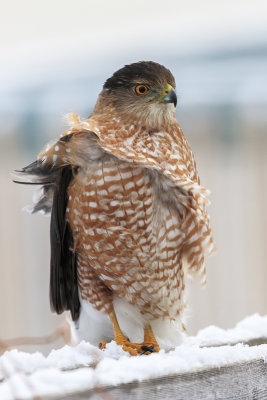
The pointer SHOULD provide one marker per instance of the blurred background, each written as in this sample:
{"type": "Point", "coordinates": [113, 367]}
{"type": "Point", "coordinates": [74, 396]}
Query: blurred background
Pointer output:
{"type": "Point", "coordinates": [55, 56]}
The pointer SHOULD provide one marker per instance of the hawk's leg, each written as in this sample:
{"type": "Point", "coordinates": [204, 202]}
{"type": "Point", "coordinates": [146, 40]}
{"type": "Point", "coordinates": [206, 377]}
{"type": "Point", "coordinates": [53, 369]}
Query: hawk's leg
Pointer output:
{"type": "Point", "coordinates": [149, 345]}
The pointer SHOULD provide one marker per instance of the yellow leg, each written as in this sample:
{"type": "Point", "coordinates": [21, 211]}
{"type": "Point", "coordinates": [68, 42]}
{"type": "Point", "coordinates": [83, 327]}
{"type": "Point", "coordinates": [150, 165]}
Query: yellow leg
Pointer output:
{"type": "Point", "coordinates": [149, 345]}
{"type": "Point", "coordinates": [150, 340]}
{"type": "Point", "coordinates": [119, 337]}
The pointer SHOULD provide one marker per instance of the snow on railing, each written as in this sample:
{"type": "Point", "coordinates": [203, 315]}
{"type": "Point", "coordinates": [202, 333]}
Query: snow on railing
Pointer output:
{"type": "Point", "coordinates": [215, 362]}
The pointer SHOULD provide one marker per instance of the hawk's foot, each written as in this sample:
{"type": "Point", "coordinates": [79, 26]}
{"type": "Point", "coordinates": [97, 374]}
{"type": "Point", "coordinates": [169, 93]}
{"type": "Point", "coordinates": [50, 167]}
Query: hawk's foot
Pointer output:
{"type": "Point", "coordinates": [133, 348]}
{"type": "Point", "coordinates": [102, 344]}
{"type": "Point", "coordinates": [138, 348]}
{"type": "Point", "coordinates": [149, 345]}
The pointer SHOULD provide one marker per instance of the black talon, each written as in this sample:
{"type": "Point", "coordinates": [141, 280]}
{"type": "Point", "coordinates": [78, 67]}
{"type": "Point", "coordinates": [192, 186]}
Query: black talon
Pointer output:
{"type": "Point", "coordinates": [146, 349]}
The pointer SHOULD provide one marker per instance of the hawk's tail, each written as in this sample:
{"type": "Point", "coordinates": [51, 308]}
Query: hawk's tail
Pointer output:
{"type": "Point", "coordinates": [53, 198]}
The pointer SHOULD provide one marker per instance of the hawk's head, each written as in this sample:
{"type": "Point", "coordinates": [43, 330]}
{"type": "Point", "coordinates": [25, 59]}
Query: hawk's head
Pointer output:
{"type": "Point", "coordinates": [143, 91]}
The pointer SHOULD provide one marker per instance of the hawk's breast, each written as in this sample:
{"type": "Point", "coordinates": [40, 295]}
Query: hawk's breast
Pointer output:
{"type": "Point", "coordinates": [122, 232]}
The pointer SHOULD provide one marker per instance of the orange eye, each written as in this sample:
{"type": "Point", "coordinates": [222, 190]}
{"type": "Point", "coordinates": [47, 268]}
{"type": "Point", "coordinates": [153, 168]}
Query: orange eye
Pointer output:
{"type": "Point", "coordinates": [142, 89]}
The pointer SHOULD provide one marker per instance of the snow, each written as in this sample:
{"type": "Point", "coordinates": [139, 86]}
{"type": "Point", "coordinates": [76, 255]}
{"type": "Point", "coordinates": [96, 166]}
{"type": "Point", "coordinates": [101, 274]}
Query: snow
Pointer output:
{"type": "Point", "coordinates": [84, 366]}
{"type": "Point", "coordinates": [252, 327]}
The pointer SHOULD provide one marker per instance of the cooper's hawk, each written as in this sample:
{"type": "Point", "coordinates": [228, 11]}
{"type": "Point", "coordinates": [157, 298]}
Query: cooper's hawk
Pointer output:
{"type": "Point", "coordinates": [128, 214]}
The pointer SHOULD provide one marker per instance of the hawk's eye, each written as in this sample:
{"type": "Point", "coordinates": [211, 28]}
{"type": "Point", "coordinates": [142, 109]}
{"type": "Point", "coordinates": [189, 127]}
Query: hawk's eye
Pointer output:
{"type": "Point", "coordinates": [142, 89]}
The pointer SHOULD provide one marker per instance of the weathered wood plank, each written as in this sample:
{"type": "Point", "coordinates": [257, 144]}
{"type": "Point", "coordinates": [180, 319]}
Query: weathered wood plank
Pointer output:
{"type": "Point", "coordinates": [239, 381]}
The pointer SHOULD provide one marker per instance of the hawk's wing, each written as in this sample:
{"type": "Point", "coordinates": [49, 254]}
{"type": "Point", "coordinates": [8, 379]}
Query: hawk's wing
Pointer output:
{"type": "Point", "coordinates": [166, 154]}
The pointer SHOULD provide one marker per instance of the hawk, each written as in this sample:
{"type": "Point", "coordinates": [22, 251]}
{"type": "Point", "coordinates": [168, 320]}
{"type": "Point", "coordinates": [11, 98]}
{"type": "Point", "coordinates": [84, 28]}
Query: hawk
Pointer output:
{"type": "Point", "coordinates": [128, 214]}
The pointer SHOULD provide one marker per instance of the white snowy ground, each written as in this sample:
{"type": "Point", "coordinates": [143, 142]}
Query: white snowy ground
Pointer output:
{"type": "Point", "coordinates": [24, 375]}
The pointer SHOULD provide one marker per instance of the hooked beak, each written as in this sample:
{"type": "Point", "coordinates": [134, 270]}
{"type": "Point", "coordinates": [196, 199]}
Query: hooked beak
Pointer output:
{"type": "Point", "coordinates": [169, 95]}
